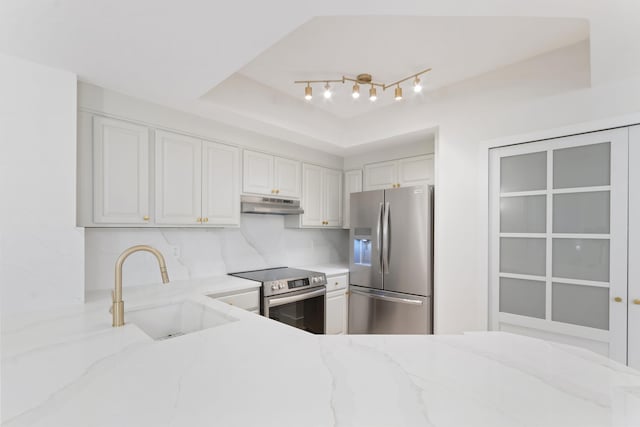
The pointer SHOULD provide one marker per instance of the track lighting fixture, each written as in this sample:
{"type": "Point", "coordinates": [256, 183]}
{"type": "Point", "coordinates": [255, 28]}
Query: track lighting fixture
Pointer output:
{"type": "Point", "coordinates": [364, 79]}
{"type": "Point", "coordinates": [417, 86]}
{"type": "Point", "coordinates": [355, 92]}
{"type": "Point", "coordinates": [398, 93]}
{"type": "Point", "coordinates": [373, 94]}
{"type": "Point", "coordinates": [327, 91]}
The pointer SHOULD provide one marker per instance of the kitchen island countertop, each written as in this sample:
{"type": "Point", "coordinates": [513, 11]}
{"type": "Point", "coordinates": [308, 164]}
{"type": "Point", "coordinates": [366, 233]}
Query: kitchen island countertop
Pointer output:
{"type": "Point", "coordinates": [69, 367]}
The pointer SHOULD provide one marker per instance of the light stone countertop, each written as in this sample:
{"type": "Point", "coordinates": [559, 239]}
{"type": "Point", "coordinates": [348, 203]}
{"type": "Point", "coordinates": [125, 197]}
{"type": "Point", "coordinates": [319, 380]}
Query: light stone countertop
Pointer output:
{"type": "Point", "coordinates": [332, 269]}
{"type": "Point", "coordinates": [68, 367]}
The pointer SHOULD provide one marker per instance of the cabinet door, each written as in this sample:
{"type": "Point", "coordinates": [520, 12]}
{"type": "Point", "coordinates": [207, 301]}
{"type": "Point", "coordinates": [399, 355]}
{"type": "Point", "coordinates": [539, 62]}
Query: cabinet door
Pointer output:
{"type": "Point", "coordinates": [332, 197]}
{"type": "Point", "coordinates": [287, 180]}
{"type": "Point", "coordinates": [120, 172]}
{"type": "Point", "coordinates": [257, 173]}
{"type": "Point", "coordinates": [634, 248]}
{"type": "Point", "coordinates": [220, 184]}
{"type": "Point", "coordinates": [312, 195]}
{"type": "Point", "coordinates": [380, 176]}
{"type": "Point", "coordinates": [352, 184]}
{"type": "Point", "coordinates": [336, 313]}
{"type": "Point", "coordinates": [178, 179]}
{"type": "Point", "coordinates": [415, 171]}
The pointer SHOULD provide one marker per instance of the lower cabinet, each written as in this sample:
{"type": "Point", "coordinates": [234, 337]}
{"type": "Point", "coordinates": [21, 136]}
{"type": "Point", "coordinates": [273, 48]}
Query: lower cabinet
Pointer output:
{"type": "Point", "coordinates": [336, 305]}
{"type": "Point", "coordinates": [247, 300]}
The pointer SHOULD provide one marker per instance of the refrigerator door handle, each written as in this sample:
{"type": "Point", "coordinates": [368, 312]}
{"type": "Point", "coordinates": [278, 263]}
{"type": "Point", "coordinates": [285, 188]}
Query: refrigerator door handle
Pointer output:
{"type": "Point", "coordinates": [379, 236]}
{"type": "Point", "coordinates": [385, 239]}
{"type": "Point", "coordinates": [388, 298]}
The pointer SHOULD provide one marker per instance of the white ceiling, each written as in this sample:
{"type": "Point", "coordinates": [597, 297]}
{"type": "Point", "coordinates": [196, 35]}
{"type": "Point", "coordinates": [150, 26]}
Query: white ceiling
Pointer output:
{"type": "Point", "coordinates": [173, 53]}
{"type": "Point", "coordinates": [393, 47]}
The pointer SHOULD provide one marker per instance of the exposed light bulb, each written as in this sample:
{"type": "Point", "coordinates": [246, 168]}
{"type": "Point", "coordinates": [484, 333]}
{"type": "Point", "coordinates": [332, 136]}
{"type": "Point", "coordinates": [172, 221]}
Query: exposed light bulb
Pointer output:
{"type": "Point", "coordinates": [417, 87]}
{"type": "Point", "coordinates": [355, 93]}
{"type": "Point", "coordinates": [327, 91]}
{"type": "Point", "coordinates": [373, 94]}
{"type": "Point", "coordinates": [398, 93]}
{"type": "Point", "coordinates": [308, 93]}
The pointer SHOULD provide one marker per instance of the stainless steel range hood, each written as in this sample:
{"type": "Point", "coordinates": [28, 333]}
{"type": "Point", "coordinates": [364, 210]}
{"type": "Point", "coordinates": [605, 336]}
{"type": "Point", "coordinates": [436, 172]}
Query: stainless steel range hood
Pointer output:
{"type": "Point", "coordinates": [270, 205]}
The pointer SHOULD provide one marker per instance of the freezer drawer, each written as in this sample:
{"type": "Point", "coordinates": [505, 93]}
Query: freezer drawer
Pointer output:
{"type": "Point", "coordinates": [372, 311]}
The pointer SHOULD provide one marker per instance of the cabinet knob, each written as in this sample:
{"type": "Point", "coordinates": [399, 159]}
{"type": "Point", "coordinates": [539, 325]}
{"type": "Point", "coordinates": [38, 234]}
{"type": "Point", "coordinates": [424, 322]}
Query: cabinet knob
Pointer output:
{"type": "Point", "coordinates": [617, 299]}
{"type": "Point", "coordinates": [145, 218]}
{"type": "Point", "coordinates": [205, 220]}
{"type": "Point", "coordinates": [273, 191]}
{"type": "Point", "coordinates": [636, 301]}
{"type": "Point", "coordinates": [198, 219]}
{"type": "Point", "coordinates": [277, 191]}
{"type": "Point", "coordinates": [398, 185]}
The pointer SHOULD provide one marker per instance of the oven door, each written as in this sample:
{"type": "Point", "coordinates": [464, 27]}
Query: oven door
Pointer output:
{"type": "Point", "coordinates": [301, 309]}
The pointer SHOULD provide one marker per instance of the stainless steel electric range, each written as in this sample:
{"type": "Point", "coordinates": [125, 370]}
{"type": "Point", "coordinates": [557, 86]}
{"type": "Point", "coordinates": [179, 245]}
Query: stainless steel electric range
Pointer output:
{"type": "Point", "coordinates": [291, 296]}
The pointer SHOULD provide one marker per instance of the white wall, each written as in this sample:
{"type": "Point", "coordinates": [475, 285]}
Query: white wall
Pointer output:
{"type": "Point", "coordinates": [41, 250]}
{"type": "Point", "coordinates": [260, 242]}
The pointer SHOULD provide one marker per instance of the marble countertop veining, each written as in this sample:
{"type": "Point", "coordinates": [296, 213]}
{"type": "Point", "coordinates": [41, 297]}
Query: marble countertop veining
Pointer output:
{"type": "Point", "coordinates": [70, 368]}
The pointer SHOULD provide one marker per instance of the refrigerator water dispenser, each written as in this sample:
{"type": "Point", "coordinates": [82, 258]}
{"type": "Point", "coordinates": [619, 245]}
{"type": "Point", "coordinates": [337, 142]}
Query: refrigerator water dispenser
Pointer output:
{"type": "Point", "coordinates": [362, 248]}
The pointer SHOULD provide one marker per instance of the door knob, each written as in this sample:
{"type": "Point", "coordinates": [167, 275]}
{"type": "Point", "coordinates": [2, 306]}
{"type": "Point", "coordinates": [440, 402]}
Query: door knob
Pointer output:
{"type": "Point", "coordinates": [617, 299]}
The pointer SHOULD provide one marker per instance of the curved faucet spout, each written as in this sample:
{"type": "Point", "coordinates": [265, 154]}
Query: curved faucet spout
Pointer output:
{"type": "Point", "coordinates": [118, 305]}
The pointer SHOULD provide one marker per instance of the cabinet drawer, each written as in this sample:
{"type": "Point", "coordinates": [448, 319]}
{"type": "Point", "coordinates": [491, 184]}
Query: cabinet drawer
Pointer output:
{"type": "Point", "coordinates": [247, 300]}
{"type": "Point", "coordinates": [337, 282]}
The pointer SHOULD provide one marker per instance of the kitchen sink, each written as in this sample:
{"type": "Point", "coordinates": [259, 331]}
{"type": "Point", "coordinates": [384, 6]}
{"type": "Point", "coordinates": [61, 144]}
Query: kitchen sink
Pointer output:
{"type": "Point", "coordinates": [172, 320]}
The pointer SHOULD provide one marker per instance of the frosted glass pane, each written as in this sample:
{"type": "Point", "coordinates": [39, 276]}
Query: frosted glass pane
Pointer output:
{"type": "Point", "coordinates": [522, 256]}
{"type": "Point", "coordinates": [581, 305]}
{"type": "Point", "coordinates": [581, 212]}
{"type": "Point", "coordinates": [584, 166]}
{"type": "Point", "coordinates": [523, 297]}
{"type": "Point", "coordinates": [525, 214]}
{"type": "Point", "coordinates": [523, 172]}
{"type": "Point", "coordinates": [586, 259]}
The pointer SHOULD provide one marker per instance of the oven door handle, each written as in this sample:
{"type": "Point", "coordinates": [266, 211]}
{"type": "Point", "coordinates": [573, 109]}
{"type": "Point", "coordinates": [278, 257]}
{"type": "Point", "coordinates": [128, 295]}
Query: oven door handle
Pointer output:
{"type": "Point", "coordinates": [274, 302]}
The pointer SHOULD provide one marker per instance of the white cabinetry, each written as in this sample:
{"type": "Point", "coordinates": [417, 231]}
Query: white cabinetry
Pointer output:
{"type": "Point", "coordinates": [399, 173]}
{"type": "Point", "coordinates": [336, 305]}
{"type": "Point", "coordinates": [270, 175]}
{"type": "Point", "coordinates": [197, 182]}
{"type": "Point", "coordinates": [220, 184]}
{"type": "Point", "coordinates": [120, 172]}
{"type": "Point", "coordinates": [178, 179]}
{"type": "Point", "coordinates": [352, 184]}
{"type": "Point", "coordinates": [321, 198]}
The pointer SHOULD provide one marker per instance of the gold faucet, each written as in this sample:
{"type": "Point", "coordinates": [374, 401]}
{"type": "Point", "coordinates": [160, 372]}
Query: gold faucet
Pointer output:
{"type": "Point", "coordinates": [118, 305]}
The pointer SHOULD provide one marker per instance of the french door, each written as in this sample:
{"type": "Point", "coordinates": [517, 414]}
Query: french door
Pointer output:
{"type": "Point", "coordinates": [558, 240]}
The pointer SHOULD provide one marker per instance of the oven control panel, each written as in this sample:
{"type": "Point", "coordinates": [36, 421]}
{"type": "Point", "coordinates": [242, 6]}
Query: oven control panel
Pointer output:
{"type": "Point", "coordinates": [275, 287]}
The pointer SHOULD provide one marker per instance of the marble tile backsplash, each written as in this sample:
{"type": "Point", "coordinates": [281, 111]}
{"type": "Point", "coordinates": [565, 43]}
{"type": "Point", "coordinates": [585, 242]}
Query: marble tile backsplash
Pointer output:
{"type": "Point", "coordinates": [262, 241]}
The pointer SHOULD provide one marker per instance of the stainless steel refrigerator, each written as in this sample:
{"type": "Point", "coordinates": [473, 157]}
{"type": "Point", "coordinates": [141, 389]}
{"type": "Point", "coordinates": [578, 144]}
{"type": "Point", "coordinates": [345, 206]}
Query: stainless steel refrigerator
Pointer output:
{"type": "Point", "coordinates": [391, 261]}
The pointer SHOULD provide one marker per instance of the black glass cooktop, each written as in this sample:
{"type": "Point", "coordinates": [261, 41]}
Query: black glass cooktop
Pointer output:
{"type": "Point", "coordinates": [271, 274]}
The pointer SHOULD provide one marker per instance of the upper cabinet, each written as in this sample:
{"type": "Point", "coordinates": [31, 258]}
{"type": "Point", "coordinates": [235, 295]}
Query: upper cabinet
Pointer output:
{"type": "Point", "coordinates": [120, 172]}
{"type": "Point", "coordinates": [321, 198]}
{"type": "Point", "coordinates": [270, 175]}
{"type": "Point", "coordinates": [197, 182]}
{"type": "Point", "coordinates": [178, 179]}
{"type": "Point", "coordinates": [399, 173]}
{"type": "Point", "coordinates": [220, 184]}
{"type": "Point", "coordinates": [352, 184]}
